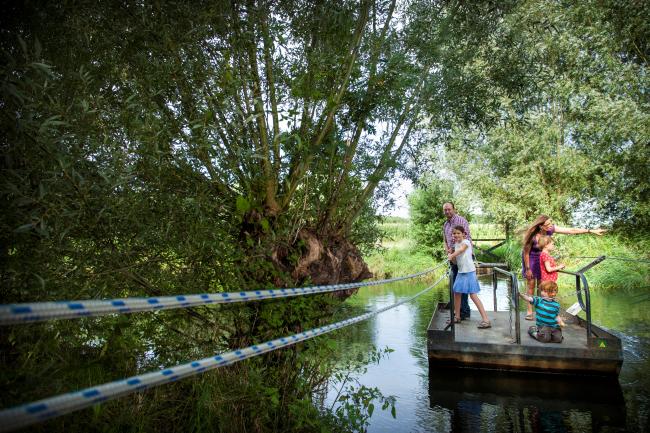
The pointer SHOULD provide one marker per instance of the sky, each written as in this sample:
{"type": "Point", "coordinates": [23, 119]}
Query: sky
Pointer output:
{"type": "Point", "coordinates": [400, 193]}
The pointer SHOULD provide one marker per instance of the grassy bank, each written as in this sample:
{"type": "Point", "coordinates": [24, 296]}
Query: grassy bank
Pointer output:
{"type": "Point", "coordinates": [400, 255]}
{"type": "Point", "coordinates": [612, 274]}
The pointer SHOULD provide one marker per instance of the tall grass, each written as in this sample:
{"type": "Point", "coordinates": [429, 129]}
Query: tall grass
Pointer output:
{"type": "Point", "coordinates": [400, 255]}
{"type": "Point", "coordinates": [577, 251]}
{"type": "Point", "coordinates": [612, 274]}
{"type": "Point", "coordinates": [395, 229]}
{"type": "Point", "coordinates": [487, 231]}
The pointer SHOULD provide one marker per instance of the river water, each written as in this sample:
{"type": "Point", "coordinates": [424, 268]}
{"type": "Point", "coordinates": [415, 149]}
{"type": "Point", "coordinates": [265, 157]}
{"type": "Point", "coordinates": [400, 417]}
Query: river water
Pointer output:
{"type": "Point", "coordinates": [459, 400]}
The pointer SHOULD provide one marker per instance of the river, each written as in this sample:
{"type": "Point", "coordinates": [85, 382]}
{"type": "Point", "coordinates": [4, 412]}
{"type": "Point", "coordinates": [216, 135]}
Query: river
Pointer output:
{"type": "Point", "coordinates": [462, 400]}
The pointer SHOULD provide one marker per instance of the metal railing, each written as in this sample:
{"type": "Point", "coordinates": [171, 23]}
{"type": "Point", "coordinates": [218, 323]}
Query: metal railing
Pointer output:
{"type": "Point", "coordinates": [581, 285]}
{"type": "Point", "coordinates": [514, 298]}
{"type": "Point", "coordinates": [488, 251]}
{"type": "Point", "coordinates": [581, 280]}
{"type": "Point", "coordinates": [513, 295]}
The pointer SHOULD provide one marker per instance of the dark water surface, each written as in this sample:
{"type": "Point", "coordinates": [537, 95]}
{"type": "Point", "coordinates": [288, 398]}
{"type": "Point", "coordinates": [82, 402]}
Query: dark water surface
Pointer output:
{"type": "Point", "coordinates": [460, 400]}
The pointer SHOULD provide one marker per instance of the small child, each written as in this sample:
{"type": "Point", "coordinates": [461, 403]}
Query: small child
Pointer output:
{"type": "Point", "coordinates": [548, 266]}
{"type": "Point", "coordinates": [547, 328]}
{"type": "Point", "coordinates": [466, 281]}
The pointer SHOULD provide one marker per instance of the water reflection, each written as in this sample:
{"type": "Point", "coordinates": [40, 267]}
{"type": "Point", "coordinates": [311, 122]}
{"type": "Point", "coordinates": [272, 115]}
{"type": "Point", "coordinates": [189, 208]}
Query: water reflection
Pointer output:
{"type": "Point", "coordinates": [491, 401]}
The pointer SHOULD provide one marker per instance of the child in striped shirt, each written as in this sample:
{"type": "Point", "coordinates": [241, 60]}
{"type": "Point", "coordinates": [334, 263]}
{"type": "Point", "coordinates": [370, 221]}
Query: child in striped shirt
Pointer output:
{"type": "Point", "coordinates": [547, 329]}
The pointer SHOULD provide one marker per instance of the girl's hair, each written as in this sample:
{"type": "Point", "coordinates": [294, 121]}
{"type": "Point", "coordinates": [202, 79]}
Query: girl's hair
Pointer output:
{"type": "Point", "coordinates": [460, 229]}
{"type": "Point", "coordinates": [534, 228]}
{"type": "Point", "coordinates": [543, 241]}
{"type": "Point", "coordinates": [550, 287]}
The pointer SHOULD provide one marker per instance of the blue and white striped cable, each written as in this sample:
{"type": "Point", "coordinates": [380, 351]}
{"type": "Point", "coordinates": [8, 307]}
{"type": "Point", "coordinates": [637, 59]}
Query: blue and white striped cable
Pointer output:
{"type": "Point", "coordinates": [30, 413]}
{"type": "Point", "coordinates": [11, 314]}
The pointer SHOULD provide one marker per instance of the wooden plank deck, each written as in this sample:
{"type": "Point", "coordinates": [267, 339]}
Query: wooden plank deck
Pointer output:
{"type": "Point", "coordinates": [467, 332]}
{"type": "Point", "coordinates": [466, 345]}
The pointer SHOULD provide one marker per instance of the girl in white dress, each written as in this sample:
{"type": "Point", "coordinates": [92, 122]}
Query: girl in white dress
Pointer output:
{"type": "Point", "coordinates": [466, 281]}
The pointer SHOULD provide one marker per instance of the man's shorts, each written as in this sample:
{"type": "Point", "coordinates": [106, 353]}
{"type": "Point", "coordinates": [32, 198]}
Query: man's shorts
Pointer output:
{"type": "Point", "coordinates": [546, 334]}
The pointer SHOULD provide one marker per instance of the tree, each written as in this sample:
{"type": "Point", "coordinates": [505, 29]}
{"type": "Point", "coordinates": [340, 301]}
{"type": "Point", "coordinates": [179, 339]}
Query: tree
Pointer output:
{"type": "Point", "coordinates": [272, 109]}
{"type": "Point", "coordinates": [157, 148]}
{"type": "Point", "coordinates": [427, 218]}
{"type": "Point", "coordinates": [565, 122]}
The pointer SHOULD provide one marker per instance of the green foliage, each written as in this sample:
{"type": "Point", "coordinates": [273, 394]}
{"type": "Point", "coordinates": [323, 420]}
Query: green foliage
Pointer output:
{"type": "Point", "coordinates": [163, 148]}
{"type": "Point", "coordinates": [168, 147]}
{"type": "Point", "coordinates": [403, 257]}
{"type": "Point", "coordinates": [398, 253]}
{"type": "Point", "coordinates": [354, 402]}
{"type": "Point", "coordinates": [559, 122]}
{"type": "Point", "coordinates": [394, 228]}
{"type": "Point", "coordinates": [521, 172]}
{"type": "Point", "coordinates": [578, 250]}
{"type": "Point", "coordinates": [487, 230]}
{"type": "Point", "coordinates": [427, 216]}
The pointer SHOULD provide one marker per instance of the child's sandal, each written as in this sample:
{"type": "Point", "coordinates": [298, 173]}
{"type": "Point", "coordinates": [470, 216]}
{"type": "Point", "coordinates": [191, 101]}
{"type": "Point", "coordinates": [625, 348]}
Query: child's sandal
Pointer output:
{"type": "Point", "coordinates": [484, 325]}
{"type": "Point", "coordinates": [456, 320]}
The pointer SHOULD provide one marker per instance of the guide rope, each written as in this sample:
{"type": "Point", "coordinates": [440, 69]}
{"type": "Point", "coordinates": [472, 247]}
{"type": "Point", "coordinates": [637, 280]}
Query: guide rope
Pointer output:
{"type": "Point", "coordinates": [41, 311]}
{"type": "Point", "coordinates": [30, 413]}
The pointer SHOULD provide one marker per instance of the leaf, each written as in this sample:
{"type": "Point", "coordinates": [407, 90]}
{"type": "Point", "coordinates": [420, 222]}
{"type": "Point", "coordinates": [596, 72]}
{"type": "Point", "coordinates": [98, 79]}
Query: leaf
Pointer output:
{"type": "Point", "coordinates": [23, 45]}
{"type": "Point", "coordinates": [40, 280]}
{"type": "Point", "coordinates": [265, 225]}
{"type": "Point", "coordinates": [243, 205]}
{"type": "Point", "coordinates": [50, 121]}
{"type": "Point", "coordinates": [37, 48]}
{"type": "Point", "coordinates": [24, 228]}
{"type": "Point", "coordinates": [44, 67]}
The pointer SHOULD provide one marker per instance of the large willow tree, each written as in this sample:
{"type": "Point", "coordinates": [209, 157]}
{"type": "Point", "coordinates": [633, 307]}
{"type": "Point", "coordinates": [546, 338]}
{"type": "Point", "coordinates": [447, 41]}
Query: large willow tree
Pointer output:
{"type": "Point", "coordinates": [269, 123]}
{"type": "Point", "coordinates": [158, 148]}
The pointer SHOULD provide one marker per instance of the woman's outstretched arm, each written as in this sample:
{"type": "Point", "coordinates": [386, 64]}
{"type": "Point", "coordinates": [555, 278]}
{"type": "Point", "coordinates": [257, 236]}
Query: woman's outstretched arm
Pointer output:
{"type": "Point", "coordinates": [575, 231]}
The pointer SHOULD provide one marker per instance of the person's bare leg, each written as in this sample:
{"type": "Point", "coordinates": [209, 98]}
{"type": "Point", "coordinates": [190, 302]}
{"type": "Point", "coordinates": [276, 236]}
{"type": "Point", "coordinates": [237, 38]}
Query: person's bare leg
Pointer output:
{"type": "Point", "coordinates": [531, 291]}
{"type": "Point", "coordinates": [457, 297]}
{"type": "Point", "coordinates": [479, 305]}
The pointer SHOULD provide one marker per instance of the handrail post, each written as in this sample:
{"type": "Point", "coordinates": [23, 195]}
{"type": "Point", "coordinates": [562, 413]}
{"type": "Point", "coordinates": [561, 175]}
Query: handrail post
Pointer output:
{"type": "Point", "coordinates": [494, 288]}
{"type": "Point", "coordinates": [579, 293]}
{"type": "Point", "coordinates": [451, 300]}
{"type": "Point", "coordinates": [588, 304]}
{"type": "Point", "coordinates": [514, 303]}
{"type": "Point", "coordinates": [581, 279]}
{"type": "Point", "coordinates": [515, 294]}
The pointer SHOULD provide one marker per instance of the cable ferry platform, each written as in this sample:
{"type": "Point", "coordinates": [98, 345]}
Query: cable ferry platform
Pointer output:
{"type": "Point", "coordinates": [587, 349]}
